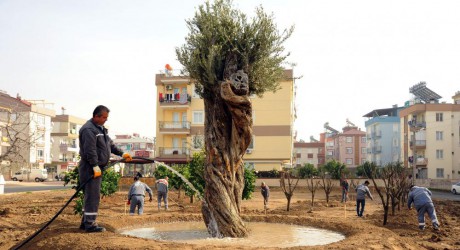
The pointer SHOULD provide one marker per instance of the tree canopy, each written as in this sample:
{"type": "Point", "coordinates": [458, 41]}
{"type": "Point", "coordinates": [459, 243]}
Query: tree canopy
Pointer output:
{"type": "Point", "coordinates": [220, 36]}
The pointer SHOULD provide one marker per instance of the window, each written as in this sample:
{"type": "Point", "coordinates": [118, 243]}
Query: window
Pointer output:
{"type": "Point", "coordinates": [330, 153]}
{"type": "Point", "coordinates": [349, 150]}
{"type": "Point", "coordinates": [198, 141]}
{"type": "Point", "coordinates": [198, 117]}
{"type": "Point", "coordinates": [348, 139]}
{"type": "Point", "coordinates": [439, 117]}
{"type": "Point", "coordinates": [249, 165]}
{"type": "Point", "coordinates": [440, 173]}
{"type": "Point", "coordinates": [310, 156]}
{"type": "Point", "coordinates": [349, 161]}
{"type": "Point", "coordinates": [439, 154]}
{"type": "Point", "coordinates": [363, 160]}
{"type": "Point", "coordinates": [363, 139]}
{"type": "Point", "coordinates": [439, 135]}
{"type": "Point", "coordinates": [40, 154]}
{"type": "Point", "coordinates": [363, 150]}
{"type": "Point", "coordinates": [194, 94]}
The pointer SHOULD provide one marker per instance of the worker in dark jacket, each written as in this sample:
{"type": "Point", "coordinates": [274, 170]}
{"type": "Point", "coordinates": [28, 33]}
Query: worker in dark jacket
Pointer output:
{"type": "Point", "coordinates": [421, 197]}
{"type": "Point", "coordinates": [162, 191]}
{"type": "Point", "coordinates": [95, 150]}
{"type": "Point", "coordinates": [265, 191]}
{"type": "Point", "coordinates": [136, 196]}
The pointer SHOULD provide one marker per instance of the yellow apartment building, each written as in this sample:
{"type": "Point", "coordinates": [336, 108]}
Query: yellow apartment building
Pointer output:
{"type": "Point", "coordinates": [431, 140]}
{"type": "Point", "coordinates": [180, 123]}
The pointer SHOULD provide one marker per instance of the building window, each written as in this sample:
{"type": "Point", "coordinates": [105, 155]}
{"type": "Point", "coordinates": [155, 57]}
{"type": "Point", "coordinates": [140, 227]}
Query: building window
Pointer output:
{"type": "Point", "coordinates": [330, 153]}
{"type": "Point", "coordinates": [348, 139]}
{"type": "Point", "coordinates": [439, 117]}
{"type": "Point", "coordinates": [440, 173]}
{"type": "Point", "coordinates": [198, 117]}
{"type": "Point", "coordinates": [439, 135]}
{"type": "Point", "coordinates": [363, 160]}
{"type": "Point", "coordinates": [363, 139]}
{"type": "Point", "coordinates": [363, 150]}
{"type": "Point", "coordinates": [197, 141]}
{"type": "Point", "coordinates": [349, 150]}
{"type": "Point", "coordinates": [439, 154]}
{"type": "Point", "coordinates": [310, 156]}
{"type": "Point", "coordinates": [249, 165]}
{"type": "Point", "coordinates": [349, 161]}
{"type": "Point", "coordinates": [40, 154]}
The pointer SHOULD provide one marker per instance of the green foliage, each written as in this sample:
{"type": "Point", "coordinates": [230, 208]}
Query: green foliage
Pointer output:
{"type": "Point", "coordinates": [306, 171]}
{"type": "Point", "coordinates": [335, 169]}
{"type": "Point", "coordinates": [366, 169]}
{"type": "Point", "coordinates": [219, 36]}
{"type": "Point", "coordinates": [109, 186]}
{"type": "Point", "coordinates": [249, 183]}
{"type": "Point", "coordinates": [196, 170]}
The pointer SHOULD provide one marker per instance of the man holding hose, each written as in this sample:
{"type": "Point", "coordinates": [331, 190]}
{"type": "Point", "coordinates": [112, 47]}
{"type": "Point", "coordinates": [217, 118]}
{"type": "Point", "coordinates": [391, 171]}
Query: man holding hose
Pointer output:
{"type": "Point", "coordinates": [95, 149]}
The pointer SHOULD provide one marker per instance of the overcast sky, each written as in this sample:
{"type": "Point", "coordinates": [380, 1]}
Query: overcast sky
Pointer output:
{"type": "Point", "coordinates": [353, 56]}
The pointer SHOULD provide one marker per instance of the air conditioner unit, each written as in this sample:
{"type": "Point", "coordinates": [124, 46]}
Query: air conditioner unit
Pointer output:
{"type": "Point", "coordinates": [248, 151]}
{"type": "Point", "coordinates": [168, 87]}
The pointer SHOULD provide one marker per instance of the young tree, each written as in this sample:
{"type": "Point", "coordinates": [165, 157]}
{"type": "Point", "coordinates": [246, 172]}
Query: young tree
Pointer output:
{"type": "Point", "coordinates": [335, 169]}
{"type": "Point", "coordinates": [230, 58]}
{"type": "Point", "coordinates": [326, 183]}
{"type": "Point", "coordinates": [312, 186]}
{"type": "Point", "coordinates": [307, 170]}
{"type": "Point", "coordinates": [288, 186]}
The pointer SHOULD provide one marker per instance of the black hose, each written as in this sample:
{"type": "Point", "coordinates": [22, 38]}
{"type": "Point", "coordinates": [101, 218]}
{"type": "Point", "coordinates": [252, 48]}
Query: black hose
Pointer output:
{"type": "Point", "coordinates": [68, 202]}
{"type": "Point", "coordinates": [55, 216]}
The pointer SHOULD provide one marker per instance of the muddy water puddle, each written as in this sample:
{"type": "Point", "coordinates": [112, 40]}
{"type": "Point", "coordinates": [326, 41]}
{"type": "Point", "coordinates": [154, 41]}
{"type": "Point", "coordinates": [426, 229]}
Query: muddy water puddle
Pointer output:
{"type": "Point", "coordinates": [261, 235]}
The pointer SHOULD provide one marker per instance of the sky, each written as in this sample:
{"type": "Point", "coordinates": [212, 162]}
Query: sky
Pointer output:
{"type": "Point", "coordinates": [351, 57]}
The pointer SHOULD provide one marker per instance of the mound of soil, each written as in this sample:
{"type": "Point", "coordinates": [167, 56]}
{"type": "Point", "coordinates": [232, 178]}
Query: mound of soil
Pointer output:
{"type": "Point", "coordinates": [22, 214]}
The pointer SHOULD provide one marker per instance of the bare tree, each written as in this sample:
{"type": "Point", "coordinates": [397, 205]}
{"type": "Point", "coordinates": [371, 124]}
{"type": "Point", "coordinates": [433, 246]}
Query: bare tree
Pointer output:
{"type": "Point", "coordinates": [326, 183]}
{"type": "Point", "coordinates": [395, 181]}
{"type": "Point", "coordinates": [288, 185]}
{"type": "Point", "coordinates": [312, 185]}
{"type": "Point", "coordinates": [15, 139]}
{"type": "Point", "coordinates": [230, 58]}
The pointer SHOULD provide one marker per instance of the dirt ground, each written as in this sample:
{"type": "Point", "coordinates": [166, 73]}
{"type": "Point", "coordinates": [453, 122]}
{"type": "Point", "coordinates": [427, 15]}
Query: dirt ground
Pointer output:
{"type": "Point", "coordinates": [22, 214]}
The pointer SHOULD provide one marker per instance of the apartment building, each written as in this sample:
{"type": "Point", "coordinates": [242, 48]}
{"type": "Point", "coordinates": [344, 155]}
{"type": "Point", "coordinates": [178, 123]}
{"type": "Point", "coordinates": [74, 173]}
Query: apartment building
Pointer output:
{"type": "Point", "coordinates": [31, 119]}
{"type": "Point", "coordinates": [309, 152]}
{"type": "Point", "coordinates": [137, 146]}
{"type": "Point", "coordinates": [180, 123]}
{"type": "Point", "coordinates": [65, 143]}
{"type": "Point", "coordinates": [348, 146]}
{"type": "Point", "coordinates": [430, 137]}
{"type": "Point", "coordinates": [383, 135]}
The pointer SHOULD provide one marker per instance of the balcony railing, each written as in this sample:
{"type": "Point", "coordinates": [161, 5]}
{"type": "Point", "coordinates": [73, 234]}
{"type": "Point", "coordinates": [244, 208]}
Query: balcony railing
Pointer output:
{"type": "Point", "coordinates": [421, 161]}
{"type": "Point", "coordinates": [418, 143]}
{"type": "Point", "coordinates": [167, 99]}
{"type": "Point", "coordinates": [174, 152]}
{"type": "Point", "coordinates": [68, 148]}
{"type": "Point", "coordinates": [174, 127]}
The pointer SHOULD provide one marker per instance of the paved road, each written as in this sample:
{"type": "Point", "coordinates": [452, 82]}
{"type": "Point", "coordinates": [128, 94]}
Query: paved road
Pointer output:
{"type": "Point", "coordinates": [440, 195]}
{"type": "Point", "coordinates": [15, 187]}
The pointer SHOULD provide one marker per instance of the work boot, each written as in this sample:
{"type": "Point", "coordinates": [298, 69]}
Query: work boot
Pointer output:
{"type": "Point", "coordinates": [435, 226]}
{"type": "Point", "coordinates": [421, 228]}
{"type": "Point", "coordinates": [82, 226]}
{"type": "Point", "coordinates": [95, 229]}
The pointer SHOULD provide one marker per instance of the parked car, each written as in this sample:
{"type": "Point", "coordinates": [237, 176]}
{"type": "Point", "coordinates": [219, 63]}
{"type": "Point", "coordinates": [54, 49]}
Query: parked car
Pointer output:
{"type": "Point", "coordinates": [456, 188]}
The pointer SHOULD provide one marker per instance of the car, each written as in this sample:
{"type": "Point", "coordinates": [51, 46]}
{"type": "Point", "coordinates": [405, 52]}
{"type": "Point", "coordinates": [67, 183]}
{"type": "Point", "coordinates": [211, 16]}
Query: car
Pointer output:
{"type": "Point", "coordinates": [456, 188]}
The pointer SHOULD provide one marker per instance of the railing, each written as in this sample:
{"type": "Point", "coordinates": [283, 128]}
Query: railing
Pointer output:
{"type": "Point", "coordinates": [166, 99]}
{"type": "Point", "coordinates": [174, 125]}
{"type": "Point", "coordinates": [418, 143]}
{"type": "Point", "coordinates": [421, 161]}
{"type": "Point", "coordinates": [174, 152]}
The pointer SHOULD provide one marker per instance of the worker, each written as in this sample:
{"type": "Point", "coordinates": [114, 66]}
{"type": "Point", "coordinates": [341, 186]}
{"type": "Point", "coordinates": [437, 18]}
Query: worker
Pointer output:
{"type": "Point", "coordinates": [361, 191]}
{"type": "Point", "coordinates": [421, 197]}
{"type": "Point", "coordinates": [95, 149]}
{"type": "Point", "coordinates": [162, 191]}
{"type": "Point", "coordinates": [265, 191]}
{"type": "Point", "coordinates": [136, 195]}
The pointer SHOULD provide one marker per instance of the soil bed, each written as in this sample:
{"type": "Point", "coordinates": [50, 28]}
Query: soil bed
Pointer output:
{"type": "Point", "coordinates": [22, 214]}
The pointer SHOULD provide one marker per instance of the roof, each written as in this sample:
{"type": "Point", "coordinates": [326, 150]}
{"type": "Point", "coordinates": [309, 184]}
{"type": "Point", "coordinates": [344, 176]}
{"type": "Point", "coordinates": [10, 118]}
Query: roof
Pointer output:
{"type": "Point", "coordinates": [382, 112]}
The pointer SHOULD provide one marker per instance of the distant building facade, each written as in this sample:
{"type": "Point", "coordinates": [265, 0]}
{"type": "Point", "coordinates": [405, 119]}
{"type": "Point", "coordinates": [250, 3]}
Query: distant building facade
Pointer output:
{"type": "Point", "coordinates": [309, 152]}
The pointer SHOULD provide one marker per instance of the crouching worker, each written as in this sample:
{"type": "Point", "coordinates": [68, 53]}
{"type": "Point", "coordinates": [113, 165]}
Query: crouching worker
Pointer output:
{"type": "Point", "coordinates": [421, 197]}
{"type": "Point", "coordinates": [136, 196]}
{"type": "Point", "coordinates": [162, 188]}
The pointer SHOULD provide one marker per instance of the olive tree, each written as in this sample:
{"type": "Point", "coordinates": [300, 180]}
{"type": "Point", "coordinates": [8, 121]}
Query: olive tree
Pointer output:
{"type": "Point", "coordinates": [229, 57]}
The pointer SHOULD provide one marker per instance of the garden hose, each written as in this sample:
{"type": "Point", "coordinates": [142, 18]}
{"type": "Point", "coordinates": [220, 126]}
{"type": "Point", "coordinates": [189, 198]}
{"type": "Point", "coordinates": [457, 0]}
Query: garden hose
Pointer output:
{"type": "Point", "coordinates": [78, 189]}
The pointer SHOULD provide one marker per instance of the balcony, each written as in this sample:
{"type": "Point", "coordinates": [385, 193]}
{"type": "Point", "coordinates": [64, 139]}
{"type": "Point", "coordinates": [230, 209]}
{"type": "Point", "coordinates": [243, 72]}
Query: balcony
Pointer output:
{"type": "Point", "coordinates": [178, 153]}
{"type": "Point", "coordinates": [419, 144]}
{"type": "Point", "coordinates": [174, 100]}
{"type": "Point", "coordinates": [171, 127]}
{"type": "Point", "coordinates": [421, 161]}
{"type": "Point", "coordinates": [64, 148]}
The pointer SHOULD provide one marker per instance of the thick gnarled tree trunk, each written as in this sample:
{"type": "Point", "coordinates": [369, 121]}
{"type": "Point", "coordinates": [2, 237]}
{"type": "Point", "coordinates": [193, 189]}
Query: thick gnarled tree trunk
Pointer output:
{"type": "Point", "coordinates": [228, 131]}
